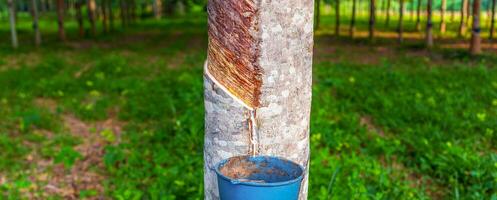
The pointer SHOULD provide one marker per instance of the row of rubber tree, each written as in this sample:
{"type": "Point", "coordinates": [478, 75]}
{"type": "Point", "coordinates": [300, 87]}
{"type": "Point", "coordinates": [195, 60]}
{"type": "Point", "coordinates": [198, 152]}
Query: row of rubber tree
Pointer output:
{"type": "Point", "coordinates": [97, 11]}
{"type": "Point", "coordinates": [468, 10]}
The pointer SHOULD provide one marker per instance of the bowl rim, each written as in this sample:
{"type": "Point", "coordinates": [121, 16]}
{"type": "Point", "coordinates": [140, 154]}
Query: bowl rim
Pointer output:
{"type": "Point", "coordinates": [237, 182]}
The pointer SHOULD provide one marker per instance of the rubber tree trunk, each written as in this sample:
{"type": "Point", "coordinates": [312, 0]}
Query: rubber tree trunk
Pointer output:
{"type": "Point", "coordinates": [337, 17]}
{"type": "Point", "coordinates": [372, 19]}
{"type": "Point", "coordinates": [79, 17]}
{"type": "Point", "coordinates": [12, 20]}
{"type": "Point", "coordinates": [36, 27]}
{"type": "Point", "coordinates": [442, 16]}
{"type": "Point", "coordinates": [352, 19]}
{"type": "Point", "coordinates": [60, 20]}
{"type": "Point", "coordinates": [475, 47]}
{"type": "Point", "coordinates": [157, 6]}
{"type": "Point", "coordinates": [492, 21]}
{"type": "Point", "coordinates": [92, 6]}
{"type": "Point", "coordinates": [257, 82]}
{"type": "Point", "coordinates": [462, 24]}
{"type": "Point", "coordinates": [387, 21]}
{"type": "Point", "coordinates": [429, 24]}
{"type": "Point", "coordinates": [418, 16]}
{"type": "Point", "coordinates": [400, 27]}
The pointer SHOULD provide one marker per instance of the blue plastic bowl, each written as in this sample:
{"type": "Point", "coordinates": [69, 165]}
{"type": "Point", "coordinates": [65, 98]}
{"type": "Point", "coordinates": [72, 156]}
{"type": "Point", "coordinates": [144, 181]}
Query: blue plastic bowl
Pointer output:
{"type": "Point", "coordinates": [271, 178]}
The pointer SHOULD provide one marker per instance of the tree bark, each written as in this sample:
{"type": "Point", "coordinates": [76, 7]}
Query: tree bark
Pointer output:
{"type": "Point", "coordinates": [418, 16]}
{"type": "Point", "coordinates": [372, 19]}
{"type": "Point", "coordinates": [387, 22]}
{"type": "Point", "coordinates": [442, 16]}
{"type": "Point", "coordinates": [462, 24]}
{"type": "Point", "coordinates": [92, 6]}
{"type": "Point", "coordinates": [12, 20]}
{"type": "Point", "coordinates": [36, 27]}
{"type": "Point", "coordinates": [337, 17]}
{"type": "Point", "coordinates": [492, 22]}
{"type": "Point", "coordinates": [257, 82]}
{"type": "Point", "coordinates": [429, 24]}
{"type": "Point", "coordinates": [352, 19]}
{"type": "Point", "coordinates": [157, 6]}
{"type": "Point", "coordinates": [475, 47]}
{"type": "Point", "coordinates": [60, 20]}
{"type": "Point", "coordinates": [400, 27]}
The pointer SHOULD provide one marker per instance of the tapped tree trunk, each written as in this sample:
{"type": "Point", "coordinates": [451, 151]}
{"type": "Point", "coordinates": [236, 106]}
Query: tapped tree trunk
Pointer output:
{"type": "Point", "coordinates": [337, 17]}
{"type": "Point", "coordinates": [79, 17]}
{"type": "Point", "coordinates": [418, 16]}
{"type": "Point", "coordinates": [157, 6]}
{"type": "Point", "coordinates": [60, 19]}
{"type": "Point", "coordinates": [442, 16]}
{"type": "Point", "coordinates": [92, 6]}
{"type": "Point", "coordinates": [387, 22]}
{"type": "Point", "coordinates": [372, 19]}
{"type": "Point", "coordinates": [352, 19]}
{"type": "Point", "coordinates": [36, 28]}
{"type": "Point", "coordinates": [258, 103]}
{"type": "Point", "coordinates": [400, 27]}
{"type": "Point", "coordinates": [492, 22]}
{"type": "Point", "coordinates": [12, 20]}
{"type": "Point", "coordinates": [429, 24]}
{"type": "Point", "coordinates": [462, 24]}
{"type": "Point", "coordinates": [475, 47]}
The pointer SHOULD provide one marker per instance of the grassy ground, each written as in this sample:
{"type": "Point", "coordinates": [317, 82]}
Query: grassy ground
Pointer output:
{"type": "Point", "coordinates": [121, 116]}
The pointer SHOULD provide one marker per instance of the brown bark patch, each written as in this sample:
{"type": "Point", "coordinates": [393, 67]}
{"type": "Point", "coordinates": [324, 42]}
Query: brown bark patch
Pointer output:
{"type": "Point", "coordinates": [232, 52]}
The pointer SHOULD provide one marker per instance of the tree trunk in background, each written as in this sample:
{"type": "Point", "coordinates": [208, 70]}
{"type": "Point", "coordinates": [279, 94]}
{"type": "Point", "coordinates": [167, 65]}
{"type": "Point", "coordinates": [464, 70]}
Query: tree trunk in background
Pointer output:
{"type": "Point", "coordinates": [372, 18]}
{"type": "Point", "coordinates": [418, 16]}
{"type": "Point", "coordinates": [387, 22]}
{"type": "Point", "coordinates": [462, 24]}
{"type": "Point", "coordinates": [157, 6]}
{"type": "Point", "coordinates": [92, 6]}
{"type": "Point", "coordinates": [36, 27]}
{"type": "Point", "coordinates": [337, 17]}
{"type": "Point", "coordinates": [123, 13]}
{"type": "Point", "coordinates": [492, 22]}
{"type": "Point", "coordinates": [468, 12]}
{"type": "Point", "coordinates": [475, 46]}
{"type": "Point", "coordinates": [60, 20]}
{"type": "Point", "coordinates": [429, 24]}
{"type": "Point", "coordinates": [352, 19]}
{"type": "Point", "coordinates": [258, 103]}
{"type": "Point", "coordinates": [111, 15]}
{"type": "Point", "coordinates": [442, 16]}
{"type": "Point", "coordinates": [79, 17]}
{"type": "Point", "coordinates": [453, 11]}
{"type": "Point", "coordinates": [12, 20]}
{"type": "Point", "coordinates": [400, 27]}
{"type": "Point", "coordinates": [105, 17]}
{"type": "Point", "coordinates": [412, 9]}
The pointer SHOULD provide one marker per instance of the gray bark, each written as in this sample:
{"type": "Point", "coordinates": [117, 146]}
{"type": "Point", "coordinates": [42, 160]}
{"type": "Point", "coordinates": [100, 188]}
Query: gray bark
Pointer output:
{"type": "Point", "coordinates": [270, 114]}
{"type": "Point", "coordinates": [12, 19]}
{"type": "Point", "coordinates": [400, 27]}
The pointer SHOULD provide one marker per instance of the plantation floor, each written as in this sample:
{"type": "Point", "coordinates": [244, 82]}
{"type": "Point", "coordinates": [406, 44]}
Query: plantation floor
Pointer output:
{"type": "Point", "coordinates": [121, 116]}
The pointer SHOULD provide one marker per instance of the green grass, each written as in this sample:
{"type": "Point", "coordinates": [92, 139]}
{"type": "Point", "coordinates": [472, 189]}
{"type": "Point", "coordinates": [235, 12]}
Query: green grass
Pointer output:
{"type": "Point", "coordinates": [432, 125]}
